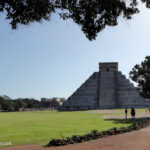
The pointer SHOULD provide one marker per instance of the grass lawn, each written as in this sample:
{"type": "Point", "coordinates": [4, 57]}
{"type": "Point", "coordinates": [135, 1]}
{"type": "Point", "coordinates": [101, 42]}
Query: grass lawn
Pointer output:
{"type": "Point", "coordinates": [40, 127]}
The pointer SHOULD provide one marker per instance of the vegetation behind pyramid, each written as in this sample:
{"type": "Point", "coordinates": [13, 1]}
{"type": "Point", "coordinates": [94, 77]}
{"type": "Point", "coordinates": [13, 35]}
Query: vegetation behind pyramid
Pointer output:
{"type": "Point", "coordinates": [106, 89]}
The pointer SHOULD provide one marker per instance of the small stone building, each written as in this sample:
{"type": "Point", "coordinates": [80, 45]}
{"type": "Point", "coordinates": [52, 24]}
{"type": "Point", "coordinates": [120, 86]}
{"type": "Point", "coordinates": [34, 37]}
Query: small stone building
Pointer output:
{"type": "Point", "coordinates": [106, 89]}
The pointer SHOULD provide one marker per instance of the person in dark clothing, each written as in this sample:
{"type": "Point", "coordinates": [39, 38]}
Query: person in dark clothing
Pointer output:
{"type": "Point", "coordinates": [126, 112]}
{"type": "Point", "coordinates": [133, 113]}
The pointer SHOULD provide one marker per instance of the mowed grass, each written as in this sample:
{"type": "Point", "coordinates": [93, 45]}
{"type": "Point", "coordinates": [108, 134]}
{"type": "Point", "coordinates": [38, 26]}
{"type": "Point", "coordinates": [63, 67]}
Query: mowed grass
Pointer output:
{"type": "Point", "coordinates": [40, 127]}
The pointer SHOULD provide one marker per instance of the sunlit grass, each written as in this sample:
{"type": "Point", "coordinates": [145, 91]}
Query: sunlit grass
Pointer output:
{"type": "Point", "coordinates": [40, 127]}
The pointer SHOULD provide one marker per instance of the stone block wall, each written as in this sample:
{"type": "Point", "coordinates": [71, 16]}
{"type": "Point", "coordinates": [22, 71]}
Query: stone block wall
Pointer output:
{"type": "Point", "coordinates": [85, 97]}
{"type": "Point", "coordinates": [128, 95]}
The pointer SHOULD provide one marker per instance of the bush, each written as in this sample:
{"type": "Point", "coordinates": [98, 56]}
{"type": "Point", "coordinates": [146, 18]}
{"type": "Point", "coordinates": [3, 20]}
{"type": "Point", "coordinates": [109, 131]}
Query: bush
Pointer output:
{"type": "Point", "coordinates": [136, 125]}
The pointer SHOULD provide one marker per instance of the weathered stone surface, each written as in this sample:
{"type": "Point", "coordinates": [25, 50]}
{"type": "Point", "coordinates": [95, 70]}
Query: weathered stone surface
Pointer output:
{"type": "Point", "coordinates": [85, 96]}
{"type": "Point", "coordinates": [107, 89]}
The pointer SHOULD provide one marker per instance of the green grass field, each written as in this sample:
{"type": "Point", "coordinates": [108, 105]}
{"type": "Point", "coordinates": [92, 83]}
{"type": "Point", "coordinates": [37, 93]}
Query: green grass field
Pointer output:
{"type": "Point", "coordinates": [40, 127]}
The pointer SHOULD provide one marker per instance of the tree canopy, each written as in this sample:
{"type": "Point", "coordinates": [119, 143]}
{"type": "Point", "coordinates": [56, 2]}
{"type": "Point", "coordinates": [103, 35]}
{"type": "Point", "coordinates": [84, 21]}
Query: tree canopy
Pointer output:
{"type": "Point", "coordinates": [8, 104]}
{"type": "Point", "coordinates": [141, 75]}
{"type": "Point", "coordinates": [92, 15]}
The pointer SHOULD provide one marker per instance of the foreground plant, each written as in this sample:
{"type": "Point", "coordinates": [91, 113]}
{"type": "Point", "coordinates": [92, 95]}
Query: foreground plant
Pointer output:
{"type": "Point", "coordinates": [91, 15]}
{"type": "Point", "coordinates": [136, 125]}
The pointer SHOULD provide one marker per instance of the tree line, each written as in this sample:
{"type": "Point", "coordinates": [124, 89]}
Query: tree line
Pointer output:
{"type": "Point", "coordinates": [8, 104]}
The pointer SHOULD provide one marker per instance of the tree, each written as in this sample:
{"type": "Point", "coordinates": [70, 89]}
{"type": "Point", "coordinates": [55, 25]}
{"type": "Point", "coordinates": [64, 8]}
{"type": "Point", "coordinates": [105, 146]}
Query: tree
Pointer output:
{"type": "Point", "coordinates": [141, 75]}
{"type": "Point", "coordinates": [21, 103]}
{"type": "Point", "coordinates": [7, 105]}
{"type": "Point", "coordinates": [30, 102]}
{"type": "Point", "coordinates": [92, 15]}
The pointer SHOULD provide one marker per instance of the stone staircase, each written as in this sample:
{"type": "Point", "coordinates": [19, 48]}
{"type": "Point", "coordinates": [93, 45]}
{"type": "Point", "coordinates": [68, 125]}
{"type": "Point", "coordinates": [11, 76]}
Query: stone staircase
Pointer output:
{"type": "Point", "coordinates": [107, 89]}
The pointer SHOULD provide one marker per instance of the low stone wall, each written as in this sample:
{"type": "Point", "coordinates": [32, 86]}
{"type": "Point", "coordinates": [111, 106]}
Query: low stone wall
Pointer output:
{"type": "Point", "coordinates": [75, 108]}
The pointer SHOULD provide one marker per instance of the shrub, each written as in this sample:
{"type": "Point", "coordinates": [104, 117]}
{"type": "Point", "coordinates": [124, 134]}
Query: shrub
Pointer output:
{"type": "Point", "coordinates": [136, 125]}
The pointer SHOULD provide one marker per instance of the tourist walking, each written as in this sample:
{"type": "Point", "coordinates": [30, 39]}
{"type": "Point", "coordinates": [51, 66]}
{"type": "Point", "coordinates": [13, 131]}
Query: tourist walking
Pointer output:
{"type": "Point", "coordinates": [126, 112]}
{"type": "Point", "coordinates": [133, 112]}
{"type": "Point", "coordinates": [146, 110]}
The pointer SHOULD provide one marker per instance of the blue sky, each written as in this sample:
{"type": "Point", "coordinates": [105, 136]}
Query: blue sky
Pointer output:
{"type": "Point", "coordinates": [54, 58]}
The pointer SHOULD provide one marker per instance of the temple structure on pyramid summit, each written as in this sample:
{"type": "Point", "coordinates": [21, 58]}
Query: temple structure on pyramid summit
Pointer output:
{"type": "Point", "coordinates": [106, 89]}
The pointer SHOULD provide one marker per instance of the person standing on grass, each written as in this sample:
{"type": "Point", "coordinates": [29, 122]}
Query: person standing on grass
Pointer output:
{"type": "Point", "coordinates": [146, 110]}
{"type": "Point", "coordinates": [133, 112]}
{"type": "Point", "coordinates": [126, 112]}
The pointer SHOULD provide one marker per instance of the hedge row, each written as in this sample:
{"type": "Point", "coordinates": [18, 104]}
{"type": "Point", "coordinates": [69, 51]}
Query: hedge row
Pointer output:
{"type": "Point", "coordinates": [136, 125]}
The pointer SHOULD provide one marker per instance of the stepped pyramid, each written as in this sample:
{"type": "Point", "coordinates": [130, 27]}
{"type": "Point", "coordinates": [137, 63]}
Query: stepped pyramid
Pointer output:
{"type": "Point", "coordinates": [106, 89]}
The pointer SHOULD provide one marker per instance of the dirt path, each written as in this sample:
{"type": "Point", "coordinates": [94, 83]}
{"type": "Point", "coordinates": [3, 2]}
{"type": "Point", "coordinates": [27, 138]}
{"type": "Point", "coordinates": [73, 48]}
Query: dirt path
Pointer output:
{"type": "Point", "coordinates": [137, 140]}
{"type": "Point", "coordinates": [106, 111]}
{"type": "Point", "coordinates": [139, 114]}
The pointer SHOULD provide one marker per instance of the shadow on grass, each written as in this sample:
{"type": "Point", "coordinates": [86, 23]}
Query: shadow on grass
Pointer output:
{"type": "Point", "coordinates": [127, 121]}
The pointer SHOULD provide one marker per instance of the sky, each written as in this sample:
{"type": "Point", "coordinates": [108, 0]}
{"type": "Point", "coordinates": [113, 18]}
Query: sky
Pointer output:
{"type": "Point", "coordinates": [53, 58]}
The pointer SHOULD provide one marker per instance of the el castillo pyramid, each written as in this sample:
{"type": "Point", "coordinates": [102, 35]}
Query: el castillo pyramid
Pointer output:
{"type": "Point", "coordinates": [106, 89]}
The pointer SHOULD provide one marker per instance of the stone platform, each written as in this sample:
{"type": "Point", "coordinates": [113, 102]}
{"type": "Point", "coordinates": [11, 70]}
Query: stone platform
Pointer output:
{"type": "Point", "coordinates": [106, 89]}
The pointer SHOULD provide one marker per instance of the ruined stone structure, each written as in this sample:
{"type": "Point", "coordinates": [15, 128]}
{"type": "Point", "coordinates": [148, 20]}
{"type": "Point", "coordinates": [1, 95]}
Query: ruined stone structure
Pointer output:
{"type": "Point", "coordinates": [106, 89]}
